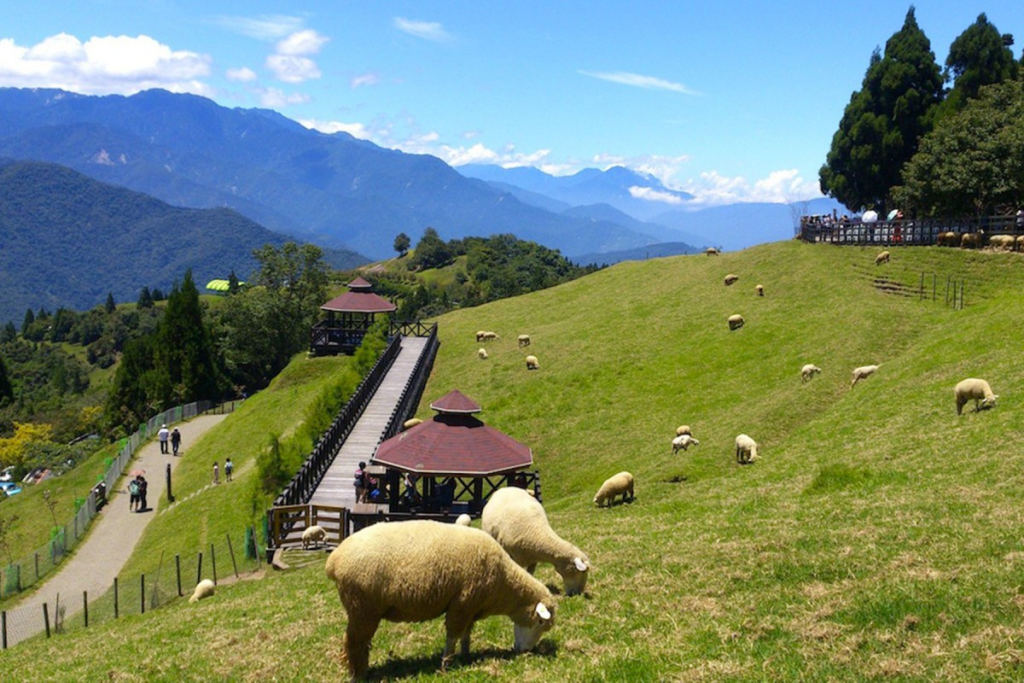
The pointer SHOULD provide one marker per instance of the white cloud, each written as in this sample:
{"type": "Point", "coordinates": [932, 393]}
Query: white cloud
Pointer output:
{"type": "Point", "coordinates": [307, 42]}
{"type": "Point", "coordinates": [639, 81]}
{"type": "Point", "coordinates": [103, 65]}
{"type": "Point", "coordinates": [364, 79]}
{"type": "Point", "coordinates": [783, 186]}
{"type": "Point", "coordinates": [274, 98]}
{"type": "Point", "coordinates": [651, 195]}
{"type": "Point", "coordinates": [265, 27]}
{"type": "Point", "coordinates": [357, 130]}
{"type": "Point", "coordinates": [428, 30]}
{"type": "Point", "coordinates": [664, 168]}
{"type": "Point", "coordinates": [243, 74]}
{"type": "Point", "coordinates": [293, 69]}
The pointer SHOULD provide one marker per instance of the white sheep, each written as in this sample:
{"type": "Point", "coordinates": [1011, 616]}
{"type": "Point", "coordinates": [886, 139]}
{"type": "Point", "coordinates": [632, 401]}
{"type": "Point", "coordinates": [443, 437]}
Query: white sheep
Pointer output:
{"type": "Point", "coordinates": [731, 278]}
{"type": "Point", "coordinates": [204, 589]}
{"type": "Point", "coordinates": [480, 334]}
{"type": "Point", "coordinates": [979, 390]}
{"type": "Point", "coordinates": [711, 251]}
{"type": "Point", "coordinates": [759, 289]}
{"type": "Point", "coordinates": [863, 372]}
{"type": "Point", "coordinates": [518, 522]}
{"type": "Point", "coordinates": [883, 257]}
{"type": "Point", "coordinates": [524, 340]}
{"type": "Point", "coordinates": [621, 484]}
{"type": "Point", "coordinates": [736, 321]}
{"type": "Point", "coordinates": [486, 336]}
{"type": "Point", "coordinates": [482, 353]}
{"type": "Point", "coordinates": [532, 363]}
{"type": "Point", "coordinates": [315, 534]}
{"type": "Point", "coordinates": [411, 422]}
{"type": "Point", "coordinates": [808, 372]}
{"type": "Point", "coordinates": [683, 441]}
{"type": "Point", "coordinates": [683, 429]}
{"type": "Point", "coordinates": [464, 520]}
{"type": "Point", "coordinates": [1001, 242]}
{"type": "Point", "coordinates": [746, 449]}
{"type": "Point", "coordinates": [418, 570]}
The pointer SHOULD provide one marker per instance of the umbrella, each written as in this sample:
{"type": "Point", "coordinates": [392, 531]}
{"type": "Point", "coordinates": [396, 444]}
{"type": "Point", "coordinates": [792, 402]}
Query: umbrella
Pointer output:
{"type": "Point", "coordinates": [892, 214]}
{"type": "Point", "coordinates": [135, 473]}
{"type": "Point", "coordinates": [870, 216]}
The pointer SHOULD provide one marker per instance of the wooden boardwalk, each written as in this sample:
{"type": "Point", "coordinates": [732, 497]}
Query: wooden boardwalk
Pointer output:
{"type": "Point", "coordinates": [337, 487]}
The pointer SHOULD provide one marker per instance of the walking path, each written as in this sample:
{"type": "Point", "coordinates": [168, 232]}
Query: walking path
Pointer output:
{"type": "Point", "coordinates": [111, 541]}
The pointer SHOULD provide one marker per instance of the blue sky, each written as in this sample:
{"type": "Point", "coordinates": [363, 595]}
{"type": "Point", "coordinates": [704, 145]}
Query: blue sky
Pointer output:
{"type": "Point", "coordinates": [732, 101]}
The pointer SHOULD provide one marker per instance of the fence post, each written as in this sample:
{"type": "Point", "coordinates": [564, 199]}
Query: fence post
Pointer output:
{"type": "Point", "coordinates": [177, 570]}
{"type": "Point", "coordinates": [142, 592]}
{"type": "Point", "coordinates": [919, 298]}
{"type": "Point", "coordinates": [3, 627]}
{"type": "Point", "coordinates": [85, 607]}
{"type": "Point", "coordinates": [199, 571]}
{"type": "Point", "coordinates": [116, 609]}
{"type": "Point", "coordinates": [213, 564]}
{"type": "Point", "coordinates": [231, 550]}
{"type": "Point", "coordinates": [46, 618]}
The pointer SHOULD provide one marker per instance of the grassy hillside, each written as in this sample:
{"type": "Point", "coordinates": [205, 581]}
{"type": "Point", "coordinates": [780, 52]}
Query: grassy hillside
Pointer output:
{"type": "Point", "coordinates": [876, 537]}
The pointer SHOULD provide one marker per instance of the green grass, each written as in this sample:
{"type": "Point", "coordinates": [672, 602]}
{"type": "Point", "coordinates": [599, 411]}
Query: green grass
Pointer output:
{"type": "Point", "coordinates": [877, 537]}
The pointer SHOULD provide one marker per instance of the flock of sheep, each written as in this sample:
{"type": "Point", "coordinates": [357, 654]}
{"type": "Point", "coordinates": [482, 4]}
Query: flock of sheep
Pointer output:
{"type": "Point", "coordinates": [524, 340]}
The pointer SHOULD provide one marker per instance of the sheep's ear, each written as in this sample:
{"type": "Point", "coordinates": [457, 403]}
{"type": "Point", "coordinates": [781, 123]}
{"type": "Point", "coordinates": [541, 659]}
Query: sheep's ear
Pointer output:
{"type": "Point", "coordinates": [542, 611]}
{"type": "Point", "coordinates": [580, 564]}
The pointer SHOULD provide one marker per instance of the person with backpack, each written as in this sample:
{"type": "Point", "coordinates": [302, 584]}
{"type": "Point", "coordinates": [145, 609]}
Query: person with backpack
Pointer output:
{"type": "Point", "coordinates": [360, 482]}
{"type": "Point", "coordinates": [133, 494]}
{"type": "Point", "coordinates": [229, 468]}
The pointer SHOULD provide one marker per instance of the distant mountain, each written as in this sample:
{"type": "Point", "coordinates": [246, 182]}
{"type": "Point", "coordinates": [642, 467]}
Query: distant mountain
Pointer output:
{"type": "Point", "coordinates": [640, 195]}
{"type": "Point", "coordinates": [334, 190]}
{"type": "Point", "coordinates": [639, 254]}
{"type": "Point", "coordinates": [66, 240]}
{"type": "Point", "coordinates": [606, 212]}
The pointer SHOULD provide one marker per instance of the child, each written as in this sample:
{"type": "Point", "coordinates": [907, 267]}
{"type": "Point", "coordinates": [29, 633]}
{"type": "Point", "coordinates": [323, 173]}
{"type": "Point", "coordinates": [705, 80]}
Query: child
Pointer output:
{"type": "Point", "coordinates": [229, 467]}
{"type": "Point", "coordinates": [216, 473]}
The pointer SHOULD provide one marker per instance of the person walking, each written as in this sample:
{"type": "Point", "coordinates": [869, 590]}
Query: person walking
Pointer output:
{"type": "Point", "coordinates": [229, 467]}
{"type": "Point", "coordinates": [143, 485]}
{"type": "Point", "coordinates": [163, 435]}
{"type": "Point", "coordinates": [133, 494]}
{"type": "Point", "coordinates": [216, 473]}
{"type": "Point", "coordinates": [175, 440]}
{"type": "Point", "coordinates": [360, 482]}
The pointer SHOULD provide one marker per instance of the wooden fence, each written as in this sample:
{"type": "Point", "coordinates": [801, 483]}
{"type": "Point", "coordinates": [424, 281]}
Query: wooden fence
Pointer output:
{"type": "Point", "coordinates": [916, 232]}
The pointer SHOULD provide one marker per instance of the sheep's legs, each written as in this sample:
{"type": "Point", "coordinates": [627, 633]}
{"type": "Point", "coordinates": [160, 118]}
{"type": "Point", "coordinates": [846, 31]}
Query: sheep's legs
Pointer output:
{"type": "Point", "coordinates": [458, 629]}
{"type": "Point", "coordinates": [356, 646]}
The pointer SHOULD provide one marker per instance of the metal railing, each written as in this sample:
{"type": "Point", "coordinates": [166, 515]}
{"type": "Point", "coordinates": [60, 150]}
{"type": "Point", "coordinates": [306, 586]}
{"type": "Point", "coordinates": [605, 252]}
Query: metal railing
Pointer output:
{"type": "Point", "coordinates": [907, 232]}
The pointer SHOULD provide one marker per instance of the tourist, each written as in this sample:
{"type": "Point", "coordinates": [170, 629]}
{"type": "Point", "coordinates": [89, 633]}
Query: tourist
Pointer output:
{"type": "Point", "coordinates": [163, 434]}
{"type": "Point", "coordinates": [216, 473]}
{"type": "Point", "coordinates": [175, 440]}
{"type": "Point", "coordinates": [229, 467]}
{"type": "Point", "coordinates": [143, 487]}
{"type": "Point", "coordinates": [360, 482]}
{"type": "Point", "coordinates": [133, 494]}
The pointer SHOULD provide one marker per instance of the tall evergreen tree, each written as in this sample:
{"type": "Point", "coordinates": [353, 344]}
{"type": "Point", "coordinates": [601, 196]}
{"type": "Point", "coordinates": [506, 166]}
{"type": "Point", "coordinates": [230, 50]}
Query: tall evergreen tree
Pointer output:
{"type": "Point", "coordinates": [110, 306]}
{"type": "Point", "coordinates": [233, 283]}
{"type": "Point", "coordinates": [30, 318]}
{"type": "Point", "coordinates": [10, 332]}
{"type": "Point", "coordinates": [145, 298]}
{"type": "Point", "coordinates": [979, 56]}
{"type": "Point", "coordinates": [184, 347]}
{"type": "Point", "coordinates": [138, 385]}
{"type": "Point", "coordinates": [6, 390]}
{"type": "Point", "coordinates": [884, 120]}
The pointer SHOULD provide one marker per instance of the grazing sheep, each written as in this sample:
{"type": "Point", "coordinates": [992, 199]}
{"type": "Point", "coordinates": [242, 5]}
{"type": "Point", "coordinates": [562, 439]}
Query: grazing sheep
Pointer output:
{"type": "Point", "coordinates": [882, 258]}
{"type": "Point", "coordinates": [482, 353]}
{"type": "Point", "coordinates": [863, 372]}
{"type": "Point", "coordinates": [979, 390]}
{"type": "Point", "coordinates": [683, 442]}
{"type": "Point", "coordinates": [532, 363]}
{"type": "Point", "coordinates": [204, 589]}
{"type": "Point", "coordinates": [314, 534]}
{"type": "Point", "coordinates": [524, 340]}
{"type": "Point", "coordinates": [411, 422]}
{"type": "Point", "coordinates": [620, 484]}
{"type": "Point", "coordinates": [711, 251]}
{"type": "Point", "coordinates": [947, 239]}
{"type": "Point", "coordinates": [1020, 243]}
{"type": "Point", "coordinates": [746, 449]}
{"type": "Point", "coordinates": [808, 371]}
{"type": "Point", "coordinates": [518, 522]}
{"type": "Point", "coordinates": [971, 240]}
{"type": "Point", "coordinates": [480, 335]}
{"type": "Point", "coordinates": [464, 520]}
{"type": "Point", "coordinates": [731, 278]}
{"type": "Point", "coordinates": [736, 321]}
{"type": "Point", "coordinates": [1004, 242]}
{"type": "Point", "coordinates": [489, 336]}
{"type": "Point", "coordinates": [683, 429]}
{"type": "Point", "coordinates": [418, 570]}
{"type": "Point", "coordinates": [759, 289]}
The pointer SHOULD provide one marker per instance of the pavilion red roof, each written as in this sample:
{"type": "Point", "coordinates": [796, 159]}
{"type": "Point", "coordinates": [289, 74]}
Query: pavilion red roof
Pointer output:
{"type": "Point", "coordinates": [359, 299]}
{"type": "Point", "coordinates": [359, 283]}
{"type": "Point", "coordinates": [455, 402]}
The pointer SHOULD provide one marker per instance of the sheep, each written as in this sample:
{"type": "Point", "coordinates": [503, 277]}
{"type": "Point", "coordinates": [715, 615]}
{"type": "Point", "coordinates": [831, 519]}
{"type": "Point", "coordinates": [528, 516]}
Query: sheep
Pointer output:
{"type": "Point", "coordinates": [314, 534]}
{"type": "Point", "coordinates": [808, 372]}
{"type": "Point", "coordinates": [711, 251]}
{"type": "Point", "coordinates": [1004, 242]}
{"type": "Point", "coordinates": [736, 321]}
{"type": "Point", "coordinates": [971, 240]}
{"type": "Point", "coordinates": [863, 372]}
{"type": "Point", "coordinates": [518, 522]}
{"type": "Point", "coordinates": [883, 257]}
{"type": "Point", "coordinates": [1020, 243]}
{"type": "Point", "coordinates": [482, 353]}
{"type": "Point", "coordinates": [524, 340]}
{"type": "Point", "coordinates": [464, 520]}
{"type": "Point", "coordinates": [204, 589]}
{"type": "Point", "coordinates": [480, 335]}
{"type": "Point", "coordinates": [621, 484]}
{"type": "Point", "coordinates": [683, 442]}
{"type": "Point", "coordinates": [683, 429]}
{"type": "Point", "coordinates": [746, 449]}
{"type": "Point", "coordinates": [532, 363]}
{"type": "Point", "coordinates": [979, 390]}
{"type": "Point", "coordinates": [487, 336]}
{"type": "Point", "coordinates": [411, 422]}
{"type": "Point", "coordinates": [947, 239]}
{"type": "Point", "coordinates": [731, 278]}
{"type": "Point", "coordinates": [418, 570]}
{"type": "Point", "coordinates": [759, 289]}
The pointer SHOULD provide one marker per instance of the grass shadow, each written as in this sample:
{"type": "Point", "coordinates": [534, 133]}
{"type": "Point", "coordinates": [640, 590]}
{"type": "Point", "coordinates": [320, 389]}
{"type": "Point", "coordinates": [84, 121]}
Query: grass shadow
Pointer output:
{"type": "Point", "coordinates": [416, 666]}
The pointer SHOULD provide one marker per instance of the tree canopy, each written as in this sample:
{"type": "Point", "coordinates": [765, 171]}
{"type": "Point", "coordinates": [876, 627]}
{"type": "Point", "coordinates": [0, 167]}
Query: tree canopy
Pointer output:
{"type": "Point", "coordinates": [979, 56]}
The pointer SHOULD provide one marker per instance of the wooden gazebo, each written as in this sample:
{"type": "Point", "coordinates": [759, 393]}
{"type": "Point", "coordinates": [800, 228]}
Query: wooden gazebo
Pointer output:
{"type": "Point", "coordinates": [451, 463]}
{"type": "Point", "coordinates": [349, 316]}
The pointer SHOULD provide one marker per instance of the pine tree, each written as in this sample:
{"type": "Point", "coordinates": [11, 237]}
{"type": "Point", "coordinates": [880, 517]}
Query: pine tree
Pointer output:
{"type": "Point", "coordinates": [30, 318]}
{"type": "Point", "coordinates": [10, 332]}
{"type": "Point", "coordinates": [6, 390]}
{"type": "Point", "coordinates": [158, 294]}
{"type": "Point", "coordinates": [145, 298]}
{"type": "Point", "coordinates": [110, 306]}
{"type": "Point", "coordinates": [233, 283]}
{"type": "Point", "coordinates": [884, 121]}
{"type": "Point", "coordinates": [979, 56]}
{"type": "Point", "coordinates": [184, 346]}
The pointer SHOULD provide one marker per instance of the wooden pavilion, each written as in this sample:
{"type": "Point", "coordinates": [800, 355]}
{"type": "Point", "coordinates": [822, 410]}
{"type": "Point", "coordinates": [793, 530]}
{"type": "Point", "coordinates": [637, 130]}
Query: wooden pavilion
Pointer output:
{"type": "Point", "coordinates": [451, 463]}
{"type": "Point", "coordinates": [349, 317]}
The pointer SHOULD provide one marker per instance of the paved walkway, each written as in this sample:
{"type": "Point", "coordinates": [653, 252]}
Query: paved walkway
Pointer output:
{"type": "Point", "coordinates": [111, 541]}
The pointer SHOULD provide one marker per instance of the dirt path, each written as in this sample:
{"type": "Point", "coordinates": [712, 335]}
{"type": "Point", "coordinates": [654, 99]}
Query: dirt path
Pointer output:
{"type": "Point", "coordinates": [113, 537]}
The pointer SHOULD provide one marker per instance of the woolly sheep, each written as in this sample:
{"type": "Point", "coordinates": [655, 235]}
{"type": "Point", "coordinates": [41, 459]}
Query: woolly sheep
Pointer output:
{"type": "Point", "coordinates": [863, 372]}
{"type": "Point", "coordinates": [411, 422]}
{"type": "Point", "coordinates": [947, 239]}
{"type": "Point", "coordinates": [808, 371]}
{"type": "Point", "coordinates": [971, 240]}
{"type": "Point", "coordinates": [736, 321]}
{"type": "Point", "coordinates": [620, 484]}
{"type": "Point", "coordinates": [464, 520]}
{"type": "Point", "coordinates": [746, 449]}
{"type": "Point", "coordinates": [518, 522]}
{"type": "Point", "coordinates": [482, 353]}
{"type": "Point", "coordinates": [711, 251]}
{"type": "Point", "coordinates": [683, 429]}
{"type": "Point", "coordinates": [683, 442]}
{"type": "Point", "coordinates": [731, 278]}
{"type": "Point", "coordinates": [486, 336]}
{"type": "Point", "coordinates": [1004, 242]}
{"type": "Point", "coordinates": [882, 258]}
{"type": "Point", "coordinates": [532, 363]}
{"type": "Point", "coordinates": [204, 589]}
{"type": "Point", "coordinates": [480, 335]}
{"type": "Point", "coordinates": [418, 570]}
{"type": "Point", "coordinates": [1020, 243]}
{"type": "Point", "coordinates": [314, 534]}
{"type": "Point", "coordinates": [979, 390]}
{"type": "Point", "coordinates": [759, 289]}
{"type": "Point", "coordinates": [524, 340]}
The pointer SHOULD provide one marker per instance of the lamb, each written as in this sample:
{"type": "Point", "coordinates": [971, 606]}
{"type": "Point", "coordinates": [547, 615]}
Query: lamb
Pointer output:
{"type": "Point", "coordinates": [746, 449]}
{"type": "Point", "coordinates": [808, 372]}
{"type": "Point", "coordinates": [411, 422]}
{"type": "Point", "coordinates": [418, 570]}
{"type": "Point", "coordinates": [683, 429]}
{"type": "Point", "coordinates": [204, 589]}
{"type": "Point", "coordinates": [759, 289]}
{"type": "Point", "coordinates": [620, 484]}
{"type": "Point", "coordinates": [314, 534]}
{"type": "Point", "coordinates": [731, 278]}
{"type": "Point", "coordinates": [711, 251]}
{"type": "Point", "coordinates": [464, 520]}
{"type": "Point", "coordinates": [482, 353]}
{"type": "Point", "coordinates": [518, 522]}
{"type": "Point", "coordinates": [683, 442]}
{"type": "Point", "coordinates": [524, 340]}
{"type": "Point", "coordinates": [736, 321]}
{"type": "Point", "coordinates": [532, 363]}
{"type": "Point", "coordinates": [882, 258]}
{"type": "Point", "coordinates": [863, 372]}
{"type": "Point", "coordinates": [979, 390]}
